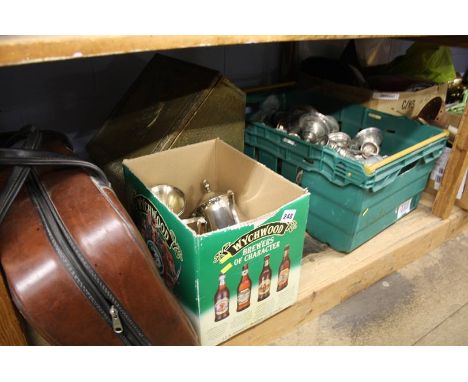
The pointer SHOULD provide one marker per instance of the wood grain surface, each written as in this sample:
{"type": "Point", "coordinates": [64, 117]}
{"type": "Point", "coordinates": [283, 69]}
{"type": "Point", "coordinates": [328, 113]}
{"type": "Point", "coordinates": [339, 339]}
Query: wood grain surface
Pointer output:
{"type": "Point", "coordinates": [16, 50]}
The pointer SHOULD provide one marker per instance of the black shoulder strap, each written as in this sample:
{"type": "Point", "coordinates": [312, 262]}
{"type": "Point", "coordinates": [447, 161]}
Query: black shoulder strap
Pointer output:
{"type": "Point", "coordinates": [24, 157]}
{"type": "Point", "coordinates": [22, 160]}
{"type": "Point", "coordinates": [18, 174]}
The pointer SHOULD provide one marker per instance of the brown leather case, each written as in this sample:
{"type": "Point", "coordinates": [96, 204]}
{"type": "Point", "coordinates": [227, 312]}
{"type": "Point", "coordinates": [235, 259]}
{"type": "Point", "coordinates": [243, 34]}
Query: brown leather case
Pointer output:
{"type": "Point", "coordinates": [43, 288]}
{"type": "Point", "coordinates": [171, 104]}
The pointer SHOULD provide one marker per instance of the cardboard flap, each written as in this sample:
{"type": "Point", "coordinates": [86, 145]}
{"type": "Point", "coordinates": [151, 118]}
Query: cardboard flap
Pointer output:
{"type": "Point", "coordinates": [257, 189]}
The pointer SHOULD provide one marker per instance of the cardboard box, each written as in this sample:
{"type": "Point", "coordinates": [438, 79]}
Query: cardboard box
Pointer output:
{"type": "Point", "coordinates": [403, 103]}
{"type": "Point", "coordinates": [449, 121]}
{"type": "Point", "coordinates": [171, 104]}
{"type": "Point", "coordinates": [274, 212]}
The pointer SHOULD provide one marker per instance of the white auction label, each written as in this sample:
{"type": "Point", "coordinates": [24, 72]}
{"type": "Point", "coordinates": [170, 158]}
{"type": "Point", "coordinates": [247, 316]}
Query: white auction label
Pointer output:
{"type": "Point", "coordinates": [404, 208]}
{"type": "Point", "coordinates": [439, 170]}
{"type": "Point", "coordinates": [386, 96]}
{"type": "Point", "coordinates": [288, 216]}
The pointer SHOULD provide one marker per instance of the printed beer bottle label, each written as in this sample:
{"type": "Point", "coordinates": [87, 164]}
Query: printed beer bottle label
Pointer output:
{"type": "Point", "coordinates": [222, 306]}
{"type": "Point", "coordinates": [264, 287]}
{"type": "Point", "coordinates": [243, 297]}
{"type": "Point", "coordinates": [283, 276]}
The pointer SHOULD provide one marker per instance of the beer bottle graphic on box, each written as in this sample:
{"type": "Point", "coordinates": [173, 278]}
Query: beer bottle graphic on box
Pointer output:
{"type": "Point", "coordinates": [221, 299]}
{"type": "Point", "coordinates": [264, 281]}
{"type": "Point", "coordinates": [283, 272]}
{"type": "Point", "coordinates": [244, 289]}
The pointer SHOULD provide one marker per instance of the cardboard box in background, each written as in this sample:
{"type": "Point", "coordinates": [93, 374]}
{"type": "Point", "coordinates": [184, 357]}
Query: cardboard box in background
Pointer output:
{"type": "Point", "coordinates": [449, 121]}
{"type": "Point", "coordinates": [171, 104]}
{"type": "Point", "coordinates": [407, 104]}
{"type": "Point", "coordinates": [197, 267]}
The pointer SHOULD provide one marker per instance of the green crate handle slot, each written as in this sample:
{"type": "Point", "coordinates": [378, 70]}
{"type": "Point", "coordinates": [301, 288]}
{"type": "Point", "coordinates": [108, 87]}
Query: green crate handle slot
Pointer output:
{"type": "Point", "coordinates": [370, 169]}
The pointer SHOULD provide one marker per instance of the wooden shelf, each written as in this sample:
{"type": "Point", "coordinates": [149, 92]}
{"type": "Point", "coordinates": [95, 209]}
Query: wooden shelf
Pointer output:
{"type": "Point", "coordinates": [453, 41]}
{"type": "Point", "coordinates": [15, 50]}
{"type": "Point", "coordinates": [329, 277]}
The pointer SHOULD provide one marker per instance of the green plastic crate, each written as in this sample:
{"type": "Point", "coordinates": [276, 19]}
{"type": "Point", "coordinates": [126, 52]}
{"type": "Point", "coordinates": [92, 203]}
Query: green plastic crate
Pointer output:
{"type": "Point", "coordinates": [350, 203]}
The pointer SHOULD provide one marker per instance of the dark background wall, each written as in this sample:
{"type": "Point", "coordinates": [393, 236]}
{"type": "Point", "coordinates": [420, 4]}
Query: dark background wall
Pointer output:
{"type": "Point", "coordinates": [76, 96]}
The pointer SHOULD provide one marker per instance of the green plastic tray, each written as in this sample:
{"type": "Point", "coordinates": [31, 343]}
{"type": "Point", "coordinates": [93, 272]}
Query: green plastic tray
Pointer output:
{"type": "Point", "coordinates": [350, 203]}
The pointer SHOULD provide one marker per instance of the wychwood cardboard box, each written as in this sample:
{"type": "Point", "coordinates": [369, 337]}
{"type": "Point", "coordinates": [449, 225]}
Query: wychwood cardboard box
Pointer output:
{"type": "Point", "coordinates": [403, 103]}
{"type": "Point", "coordinates": [171, 104]}
{"type": "Point", "coordinates": [234, 278]}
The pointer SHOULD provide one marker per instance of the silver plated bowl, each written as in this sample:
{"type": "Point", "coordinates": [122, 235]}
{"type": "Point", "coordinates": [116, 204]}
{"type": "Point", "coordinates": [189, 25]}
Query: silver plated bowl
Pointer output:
{"type": "Point", "coordinates": [313, 128]}
{"type": "Point", "coordinates": [372, 134]}
{"type": "Point", "coordinates": [332, 124]}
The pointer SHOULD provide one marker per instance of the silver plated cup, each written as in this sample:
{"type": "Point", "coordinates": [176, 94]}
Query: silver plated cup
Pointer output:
{"type": "Point", "coordinates": [171, 196]}
{"type": "Point", "coordinates": [339, 139]}
{"type": "Point", "coordinates": [369, 141]}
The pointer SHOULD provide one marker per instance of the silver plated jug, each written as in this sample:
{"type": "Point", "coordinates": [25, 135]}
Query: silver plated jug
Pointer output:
{"type": "Point", "coordinates": [218, 209]}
